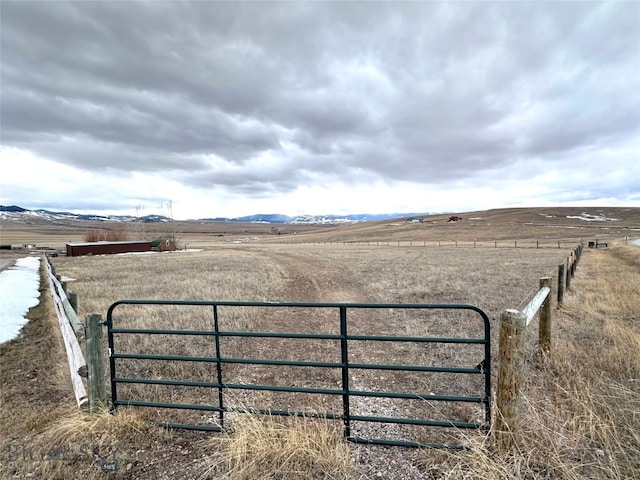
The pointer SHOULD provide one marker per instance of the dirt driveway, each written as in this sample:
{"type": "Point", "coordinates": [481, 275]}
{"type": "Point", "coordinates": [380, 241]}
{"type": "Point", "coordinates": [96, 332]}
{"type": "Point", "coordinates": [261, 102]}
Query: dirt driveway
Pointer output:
{"type": "Point", "coordinates": [309, 279]}
{"type": "Point", "coordinates": [6, 262]}
{"type": "Point", "coordinates": [9, 257]}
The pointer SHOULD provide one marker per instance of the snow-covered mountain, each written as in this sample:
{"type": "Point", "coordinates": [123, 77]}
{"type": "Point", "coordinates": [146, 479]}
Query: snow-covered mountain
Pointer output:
{"type": "Point", "coordinates": [17, 213]}
{"type": "Point", "coordinates": [315, 219]}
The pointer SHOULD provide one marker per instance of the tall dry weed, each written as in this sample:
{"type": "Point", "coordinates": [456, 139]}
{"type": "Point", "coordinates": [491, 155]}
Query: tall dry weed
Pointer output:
{"type": "Point", "coordinates": [115, 235]}
{"type": "Point", "coordinates": [290, 448]}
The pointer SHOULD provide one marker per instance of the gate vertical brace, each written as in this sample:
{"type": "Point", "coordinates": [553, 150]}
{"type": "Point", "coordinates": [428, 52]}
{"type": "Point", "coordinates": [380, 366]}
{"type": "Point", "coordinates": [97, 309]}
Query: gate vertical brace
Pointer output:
{"type": "Point", "coordinates": [487, 367]}
{"type": "Point", "coordinates": [346, 413]}
{"type": "Point", "coordinates": [112, 361]}
{"type": "Point", "coordinates": [216, 327]}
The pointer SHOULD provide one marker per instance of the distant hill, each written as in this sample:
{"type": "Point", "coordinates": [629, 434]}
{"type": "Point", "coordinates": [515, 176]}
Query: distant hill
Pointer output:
{"type": "Point", "coordinates": [314, 219]}
{"type": "Point", "coordinates": [15, 212]}
{"type": "Point", "coordinates": [12, 208]}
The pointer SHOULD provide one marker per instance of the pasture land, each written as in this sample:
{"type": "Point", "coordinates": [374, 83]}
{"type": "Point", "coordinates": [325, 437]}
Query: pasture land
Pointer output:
{"type": "Point", "coordinates": [579, 413]}
{"type": "Point", "coordinates": [528, 227]}
{"type": "Point", "coordinates": [300, 273]}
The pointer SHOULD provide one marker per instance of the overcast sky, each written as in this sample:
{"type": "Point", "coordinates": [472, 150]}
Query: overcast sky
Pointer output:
{"type": "Point", "coordinates": [231, 108]}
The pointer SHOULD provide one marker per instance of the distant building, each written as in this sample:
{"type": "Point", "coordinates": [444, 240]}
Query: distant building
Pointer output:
{"type": "Point", "coordinates": [107, 248]}
{"type": "Point", "coordinates": [414, 220]}
{"type": "Point", "coordinates": [163, 245]}
{"type": "Point", "coordinates": [454, 218]}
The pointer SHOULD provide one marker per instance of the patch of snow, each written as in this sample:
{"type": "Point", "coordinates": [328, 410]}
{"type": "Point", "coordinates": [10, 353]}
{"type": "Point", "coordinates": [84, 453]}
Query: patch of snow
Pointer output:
{"type": "Point", "coordinates": [563, 226]}
{"type": "Point", "coordinates": [20, 287]}
{"type": "Point", "coordinates": [587, 217]}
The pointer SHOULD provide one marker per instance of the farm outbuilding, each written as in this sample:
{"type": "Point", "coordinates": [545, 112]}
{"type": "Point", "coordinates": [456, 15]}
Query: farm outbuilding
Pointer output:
{"type": "Point", "coordinates": [107, 248]}
{"type": "Point", "coordinates": [163, 245]}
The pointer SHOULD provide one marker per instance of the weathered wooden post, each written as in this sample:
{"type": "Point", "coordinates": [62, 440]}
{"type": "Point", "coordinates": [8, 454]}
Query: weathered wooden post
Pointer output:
{"type": "Point", "coordinates": [73, 301]}
{"type": "Point", "coordinates": [561, 279]}
{"type": "Point", "coordinates": [510, 377]}
{"type": "Point", "coordinates": [568, 276]}
{"type": "Point", "coordinates": [95, 365]}
{"type": "Point", "coordinates": [544, 326]}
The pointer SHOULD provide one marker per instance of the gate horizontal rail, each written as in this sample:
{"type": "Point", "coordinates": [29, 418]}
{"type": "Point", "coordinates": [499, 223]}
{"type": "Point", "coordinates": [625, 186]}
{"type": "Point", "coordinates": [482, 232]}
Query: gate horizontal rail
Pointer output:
{"type": "Point", "coordinates": [344, 365]}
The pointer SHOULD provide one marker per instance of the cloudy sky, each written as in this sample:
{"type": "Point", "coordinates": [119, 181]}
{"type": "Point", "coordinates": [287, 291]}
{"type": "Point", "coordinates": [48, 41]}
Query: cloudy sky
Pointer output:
{"type": "Point", "coordinates": [232, 108]}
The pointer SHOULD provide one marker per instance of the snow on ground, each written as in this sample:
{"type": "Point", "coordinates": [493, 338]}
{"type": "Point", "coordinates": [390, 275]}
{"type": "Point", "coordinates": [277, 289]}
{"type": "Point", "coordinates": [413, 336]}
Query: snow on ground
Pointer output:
{"type": "Point", "coordinates": [587, 217]}
{"type": "Point", "coordinates": [20, 289]}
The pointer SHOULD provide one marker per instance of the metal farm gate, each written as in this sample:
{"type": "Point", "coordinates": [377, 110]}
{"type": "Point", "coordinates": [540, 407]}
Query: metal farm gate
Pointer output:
{"type": "Point", "coordinates": [189, 371]}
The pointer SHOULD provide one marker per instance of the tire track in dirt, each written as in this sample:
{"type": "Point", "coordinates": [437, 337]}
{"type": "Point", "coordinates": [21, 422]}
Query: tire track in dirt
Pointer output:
{"type": "Point", "coordinates": [305, 280]}
{"type": "Point", "coordinates": [311, 280]}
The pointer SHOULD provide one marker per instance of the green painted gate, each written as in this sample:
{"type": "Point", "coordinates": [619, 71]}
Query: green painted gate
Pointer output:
{"type": "Point", "coordinates": [218, 391]}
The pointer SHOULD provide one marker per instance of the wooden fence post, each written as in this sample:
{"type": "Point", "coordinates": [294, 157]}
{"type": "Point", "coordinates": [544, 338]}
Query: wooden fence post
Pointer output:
{"type": "Point", "coordinates": [95, 365]}
{"type": "Point", "coordinates": [568, 275]}
{"type": "Point", "coordinates": [510, 377]}
{"type": "Point", "coordinates": [73, 301]}
{"type": "Point", "coordinates": [561, 279]}
{"type": "Point", "coordinates": [544, 326]}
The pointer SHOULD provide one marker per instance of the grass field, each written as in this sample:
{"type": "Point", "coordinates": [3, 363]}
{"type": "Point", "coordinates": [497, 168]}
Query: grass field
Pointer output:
{"type": "Point", "coordinates": [298, 273]}
{"type": "Point", "coordinates": [579, 414]}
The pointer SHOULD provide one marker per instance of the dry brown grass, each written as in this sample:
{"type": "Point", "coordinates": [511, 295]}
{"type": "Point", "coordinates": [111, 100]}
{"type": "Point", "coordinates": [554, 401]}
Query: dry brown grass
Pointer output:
{"type": "Point", "coordinates": [580, 408]}
{"type": "Point", "coordinates": [492, 279]}
{"type": "Point", "coordinates": [579, 411]}
{"type": "Point", "coordinates": [112, 235]}
{"type": "Point", "coordinates": [290, 448]}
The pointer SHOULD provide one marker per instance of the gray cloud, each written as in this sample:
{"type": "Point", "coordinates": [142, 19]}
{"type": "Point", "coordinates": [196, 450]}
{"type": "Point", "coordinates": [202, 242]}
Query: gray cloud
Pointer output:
{"type": "Point", "coordinates": [261, 97]}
